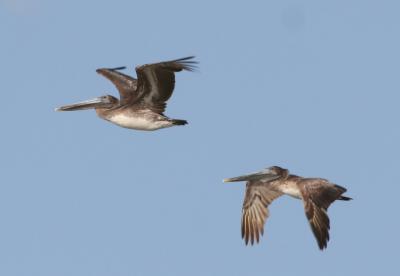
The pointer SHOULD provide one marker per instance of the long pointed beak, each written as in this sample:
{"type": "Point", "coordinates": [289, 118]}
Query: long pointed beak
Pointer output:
{"type": "Point", "coordinates": [88, 104]}
{"type": "Point", "coordinates": [265, 174]}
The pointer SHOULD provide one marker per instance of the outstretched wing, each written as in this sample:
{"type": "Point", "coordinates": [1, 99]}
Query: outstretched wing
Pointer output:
{"type": "Point", "coordinates": [319, 222]}
{"type": "Point", "coordinates": [255, 210]}
{"type": "Point", "coordinates": [156, 81]}
{"type": "Point", "coordinates": [125, 84]}
{"type": "Point", "coordinates": [317, 195]}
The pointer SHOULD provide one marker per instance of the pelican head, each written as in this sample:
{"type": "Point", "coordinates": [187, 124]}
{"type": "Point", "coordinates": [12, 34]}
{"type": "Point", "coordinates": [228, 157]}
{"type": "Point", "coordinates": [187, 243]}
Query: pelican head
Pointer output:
{"type": "Point", "coordinates": [104, 102]}
{"type": "Point", "coordinates": [268, 174]}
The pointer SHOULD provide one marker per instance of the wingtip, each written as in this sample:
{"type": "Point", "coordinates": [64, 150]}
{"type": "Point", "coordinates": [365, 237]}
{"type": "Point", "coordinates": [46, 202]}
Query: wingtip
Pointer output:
{"type": "Point", "coordinates": [323, 247]}
{"type": "Point", "coordinates": [187, 58]}
{"type": "Point", "coordinates": [188, 63]}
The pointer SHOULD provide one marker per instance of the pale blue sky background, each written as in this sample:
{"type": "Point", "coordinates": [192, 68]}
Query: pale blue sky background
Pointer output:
{"type": "Point", "coordinates": [308, 85]}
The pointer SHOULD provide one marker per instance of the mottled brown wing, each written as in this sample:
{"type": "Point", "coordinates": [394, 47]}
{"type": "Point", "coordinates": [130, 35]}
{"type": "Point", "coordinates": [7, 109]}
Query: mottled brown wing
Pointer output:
{"type": "Point", "coordinates": [255, 210]}
{"type": "Point", "coordinates": [317, 195]}
{"type": "Point", "coordinates": [156, 81]}
{"type": "Point", "coordinates": [125, 84]}
{"type": "Point", "coordinates": [319, 222]}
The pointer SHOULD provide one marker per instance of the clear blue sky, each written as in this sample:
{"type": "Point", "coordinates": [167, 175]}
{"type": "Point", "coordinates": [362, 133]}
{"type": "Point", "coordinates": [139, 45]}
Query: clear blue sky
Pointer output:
{"type": "Point", "coordinates": [312, 86]}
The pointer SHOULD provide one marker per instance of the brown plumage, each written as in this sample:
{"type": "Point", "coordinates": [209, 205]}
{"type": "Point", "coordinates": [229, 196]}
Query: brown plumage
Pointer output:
{"type": "Point", "coordinates": [265, 186]}
{"type": "Point", "coordinates": [154, 85]}
{"type": "Point", "coordinates": [143, 100]}
{"type": "Point", "coordinates": [125, 84]}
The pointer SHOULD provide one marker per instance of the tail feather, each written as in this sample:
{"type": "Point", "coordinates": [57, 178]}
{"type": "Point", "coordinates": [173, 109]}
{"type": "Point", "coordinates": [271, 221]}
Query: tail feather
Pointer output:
{"type": "Point", "coordinates": [342, 190]}
{"type": "Point", "coordinates": [345, 198]}
{"type": "Point", "coordinates": [178, 122]}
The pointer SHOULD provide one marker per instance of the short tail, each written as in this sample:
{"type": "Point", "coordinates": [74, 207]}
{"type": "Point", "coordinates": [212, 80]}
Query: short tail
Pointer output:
{"type": "Point", "coordinates": [178, 122]}
{"type": "Point", "coordinates": [342, 190]}
{"type": "Point", "coordinates": [345, 198]}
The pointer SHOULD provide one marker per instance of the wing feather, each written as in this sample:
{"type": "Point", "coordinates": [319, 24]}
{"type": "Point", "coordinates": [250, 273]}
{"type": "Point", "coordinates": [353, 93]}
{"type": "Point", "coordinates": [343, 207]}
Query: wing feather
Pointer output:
{"type": "Point", "coordinates": [156, 81]}
{"type": "Point", "coordinates": [318, 194]}
{"type": "Point", "coordinates": [255, 211]}
{"type": "Point", "coordinates": [125, 84]}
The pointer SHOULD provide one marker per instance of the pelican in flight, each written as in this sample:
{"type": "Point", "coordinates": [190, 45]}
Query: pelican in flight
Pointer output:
{"type": "Point", "coordinates": [143, 100]}
{"type": "Point", "coordinates": [265, 186]}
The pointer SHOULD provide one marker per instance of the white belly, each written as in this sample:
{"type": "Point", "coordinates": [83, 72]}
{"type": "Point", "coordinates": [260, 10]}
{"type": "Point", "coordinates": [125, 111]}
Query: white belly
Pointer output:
{"type": "Point", "coordinates": [291, 190]}
{"type": "Point", "coordinates": [139, 123]}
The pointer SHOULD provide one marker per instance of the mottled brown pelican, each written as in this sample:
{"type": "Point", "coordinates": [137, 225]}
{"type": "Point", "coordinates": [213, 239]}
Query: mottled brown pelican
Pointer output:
{"type": "Point", "coordinates": [143, 100]}
{"type": "Point", "coordinates": [265, 186]}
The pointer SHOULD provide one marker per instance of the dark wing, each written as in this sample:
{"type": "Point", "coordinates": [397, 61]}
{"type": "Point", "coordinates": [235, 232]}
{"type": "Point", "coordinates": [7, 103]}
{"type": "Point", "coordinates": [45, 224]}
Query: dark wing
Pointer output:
{"type": "Point", "coordinates": [319, 222]}
{"type": "Point", "coordinates": [255, 210]}
{"type": "Point", "coordinates": [156, 81]}
{"type": "Point", "coordinates": [317, 195]}
{"type": "Point", "coordinates": [125, 84]}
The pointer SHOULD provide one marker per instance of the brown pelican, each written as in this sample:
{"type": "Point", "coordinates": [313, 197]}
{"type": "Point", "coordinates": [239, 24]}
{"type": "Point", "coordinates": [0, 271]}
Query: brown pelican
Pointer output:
{"type": "Point", "coordinates": [143, 100]}
{"type": "Point", "coordinates": [265, 186]}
